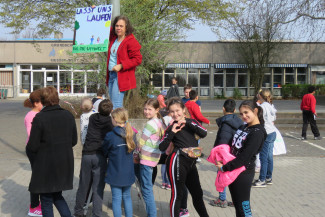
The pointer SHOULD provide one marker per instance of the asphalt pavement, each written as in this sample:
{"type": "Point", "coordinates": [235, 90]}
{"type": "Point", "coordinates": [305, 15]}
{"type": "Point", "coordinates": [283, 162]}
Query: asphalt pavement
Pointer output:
{"type": "Point", "coordinates": [298, 177]}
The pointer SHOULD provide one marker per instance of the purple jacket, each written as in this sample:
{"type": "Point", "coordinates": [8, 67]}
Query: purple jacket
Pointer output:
{"type": "Point", "coordinates": [222, 153]}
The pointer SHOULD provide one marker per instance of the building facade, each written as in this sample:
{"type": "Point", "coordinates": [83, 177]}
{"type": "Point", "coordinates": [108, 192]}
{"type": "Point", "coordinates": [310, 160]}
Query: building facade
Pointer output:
{"type": "Point", "coordinates": [213, 68]}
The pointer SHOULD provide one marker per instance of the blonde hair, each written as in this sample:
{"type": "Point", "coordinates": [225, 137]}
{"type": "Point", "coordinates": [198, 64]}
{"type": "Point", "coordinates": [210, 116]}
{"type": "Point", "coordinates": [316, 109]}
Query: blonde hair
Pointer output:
{"type": "Point", "coordinates": [266, 95]}
{"type": "Point", "coordinates": [86, 105]}
{"type": "Point", "coordinates": [120, 115]}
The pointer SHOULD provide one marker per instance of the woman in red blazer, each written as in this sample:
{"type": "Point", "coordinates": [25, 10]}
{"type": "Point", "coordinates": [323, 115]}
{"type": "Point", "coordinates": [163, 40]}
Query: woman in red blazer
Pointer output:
{"type": "Point", "coordinates": [123, 57]}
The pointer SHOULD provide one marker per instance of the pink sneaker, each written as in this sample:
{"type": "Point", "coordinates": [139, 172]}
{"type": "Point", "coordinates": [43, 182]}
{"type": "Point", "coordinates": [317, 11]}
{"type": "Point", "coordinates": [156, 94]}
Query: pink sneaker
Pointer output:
{"type": "Point", "coordinates": [37, 211]}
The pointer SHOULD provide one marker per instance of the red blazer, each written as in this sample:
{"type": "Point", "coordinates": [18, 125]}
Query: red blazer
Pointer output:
{"type": "Point", "coordinates": [128, 54]}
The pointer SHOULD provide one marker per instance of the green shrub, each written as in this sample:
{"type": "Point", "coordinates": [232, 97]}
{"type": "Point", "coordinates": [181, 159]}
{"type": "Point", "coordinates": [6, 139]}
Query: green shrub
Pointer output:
{"type": "Point", "coordinates": [237, 94]}
{"type": "Point", "coordinates": [296, 91]}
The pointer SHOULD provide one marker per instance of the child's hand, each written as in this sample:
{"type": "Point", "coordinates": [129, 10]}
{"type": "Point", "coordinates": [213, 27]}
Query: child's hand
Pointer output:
{"type": "Point", "coordinates": [177, 127]}
{"type": "Point", "coordinates": [219, 165]}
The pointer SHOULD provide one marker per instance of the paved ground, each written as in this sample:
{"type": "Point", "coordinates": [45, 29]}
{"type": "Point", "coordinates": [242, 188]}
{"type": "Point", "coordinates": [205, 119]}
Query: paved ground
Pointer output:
{"type": "Point", "coordinates": [298, 189]}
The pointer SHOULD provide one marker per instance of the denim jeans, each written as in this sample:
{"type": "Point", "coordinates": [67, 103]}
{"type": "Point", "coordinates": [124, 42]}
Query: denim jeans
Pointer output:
{"type": "Point", "coordinates": [144, 174]}
{"type": "Point", "coordinates": [164, 174]}
{"type": "Point", "coordinates": [48, 199]}
{"type": "Point", "coordinates": [223, 195]}
{"type": "Point", "coordinates": [266, 157]}
{"type": "Point", "coordinates": [119, 193]}
{"type": "Point", "coordinates": [114, 91]}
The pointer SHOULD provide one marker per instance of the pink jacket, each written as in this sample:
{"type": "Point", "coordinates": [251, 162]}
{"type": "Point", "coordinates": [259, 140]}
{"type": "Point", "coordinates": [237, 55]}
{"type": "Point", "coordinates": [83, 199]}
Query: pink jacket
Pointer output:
{"type": "Point", "coordinates": [222, 153]}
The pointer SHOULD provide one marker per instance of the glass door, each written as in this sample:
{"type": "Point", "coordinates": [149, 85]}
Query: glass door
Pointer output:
{"type": "Point", "coordinates": [52, 79]}
{"type": "Point", "coordinates": [38, 80]}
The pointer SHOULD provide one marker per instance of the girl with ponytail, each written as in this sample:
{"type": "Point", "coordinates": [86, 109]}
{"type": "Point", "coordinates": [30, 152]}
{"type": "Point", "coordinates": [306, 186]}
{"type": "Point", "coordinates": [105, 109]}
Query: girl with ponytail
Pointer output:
{"type": "Point", "coordinates": [266, 155]}
{"type": "Point", "coordinates": [247, 142]}
{"type": "Point", "coordinates": [118, 146]}
{"type": "Point", "coordinates": [33, 102]}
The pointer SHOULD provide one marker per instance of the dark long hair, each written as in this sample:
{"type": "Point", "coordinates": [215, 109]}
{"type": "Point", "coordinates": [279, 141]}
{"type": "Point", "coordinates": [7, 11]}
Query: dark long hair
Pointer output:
{"type": "Point", "coordinates": [252, 105]}
{"type": "Point", "coordinates": [35, 96]}
{"type": "Point", "coordinates": [128, 26]}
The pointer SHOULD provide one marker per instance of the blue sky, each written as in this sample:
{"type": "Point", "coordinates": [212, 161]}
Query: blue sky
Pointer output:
{"type": "Point", "coordinates": [200, 33]}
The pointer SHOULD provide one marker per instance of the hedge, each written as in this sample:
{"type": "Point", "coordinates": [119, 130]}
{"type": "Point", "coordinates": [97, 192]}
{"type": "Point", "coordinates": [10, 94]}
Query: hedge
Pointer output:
{"type": "Point", "coordinates": [298, 90]}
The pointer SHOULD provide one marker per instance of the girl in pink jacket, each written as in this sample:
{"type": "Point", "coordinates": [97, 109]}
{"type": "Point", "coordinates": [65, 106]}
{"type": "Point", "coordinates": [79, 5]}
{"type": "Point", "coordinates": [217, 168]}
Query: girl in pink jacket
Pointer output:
{"type": "Point", "coordinates": [33, 102]}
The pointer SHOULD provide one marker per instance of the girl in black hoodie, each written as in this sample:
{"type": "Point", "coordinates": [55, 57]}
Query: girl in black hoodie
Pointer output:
{"type": "Point", "coordinates": [247, 142]}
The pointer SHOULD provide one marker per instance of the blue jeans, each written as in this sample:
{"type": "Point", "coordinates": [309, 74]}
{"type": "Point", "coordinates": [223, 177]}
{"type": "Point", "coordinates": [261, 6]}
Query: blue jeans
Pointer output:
{"type": "Point", "coordinates": [48, 199]}
{"type": "Point", "coordinates": [144, 174]}
{"type": "Point", "coordinates": [223, 195]}
{"type": "Point", "coordinates": [164, 174]}
{"type": "Point", "coordinates": [114, 91]}
{"type": "Point", "coordinates": [266, 157]}
{"type": "Point", "coordinates": [117, 194]}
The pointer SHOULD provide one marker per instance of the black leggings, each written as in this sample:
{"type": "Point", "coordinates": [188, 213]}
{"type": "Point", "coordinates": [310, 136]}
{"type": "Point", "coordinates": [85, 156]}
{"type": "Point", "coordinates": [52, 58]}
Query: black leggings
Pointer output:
{"type": "Point", "coordinates": [240, 191]}
{"type": "Point", "coordinates": [182, 172]}
{"type": "Point", "coordinates": [34, 198]}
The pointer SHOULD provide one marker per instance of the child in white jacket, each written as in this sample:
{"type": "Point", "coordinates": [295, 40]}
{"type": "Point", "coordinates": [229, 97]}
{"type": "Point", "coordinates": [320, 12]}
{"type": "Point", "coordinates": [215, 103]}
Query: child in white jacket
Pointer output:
{"type": "Point", "coordinates": [266, 154]}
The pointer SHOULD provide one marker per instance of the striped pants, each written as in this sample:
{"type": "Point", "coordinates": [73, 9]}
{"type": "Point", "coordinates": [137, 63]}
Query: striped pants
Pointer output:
{"type": "Point", "coordinates": [182, 171]}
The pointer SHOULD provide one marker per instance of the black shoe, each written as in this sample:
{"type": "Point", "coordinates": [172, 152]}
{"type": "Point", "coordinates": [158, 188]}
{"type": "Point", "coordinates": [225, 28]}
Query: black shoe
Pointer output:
{"type": "Point", "coordinates": [269, 181]}
{"type": "Point", "coordinates": [303, 138]}
{"type": "Point", "coordinates": [317, 138]}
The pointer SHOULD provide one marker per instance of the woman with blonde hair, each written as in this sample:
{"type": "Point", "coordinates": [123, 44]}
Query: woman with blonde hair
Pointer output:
{"type": "Point", "coordinates": [118, 146]}
{"type": "Point", "coordinates": [266, 155]}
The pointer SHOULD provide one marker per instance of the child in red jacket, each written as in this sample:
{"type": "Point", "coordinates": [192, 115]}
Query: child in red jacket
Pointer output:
{"type": "Point", "coordinates": [308, 107]}
{"type": "Point", "coordinates": [194, 109]}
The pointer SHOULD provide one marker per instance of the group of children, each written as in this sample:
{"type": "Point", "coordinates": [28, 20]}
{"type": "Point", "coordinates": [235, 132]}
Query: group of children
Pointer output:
{"type": "Point", "coordinates": [112, 154]}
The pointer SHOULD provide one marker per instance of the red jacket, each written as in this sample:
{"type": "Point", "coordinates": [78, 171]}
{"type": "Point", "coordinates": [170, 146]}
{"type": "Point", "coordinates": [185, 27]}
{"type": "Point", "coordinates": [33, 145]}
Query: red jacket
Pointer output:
{"type": "Point", "coordinates": [128, 54]}
{"type": "Point", "coordinates": [195, 112]}
{"type": "Point", "coordinates": [161, 100]}
{"type": "Point", "coordinates": [308, 103]}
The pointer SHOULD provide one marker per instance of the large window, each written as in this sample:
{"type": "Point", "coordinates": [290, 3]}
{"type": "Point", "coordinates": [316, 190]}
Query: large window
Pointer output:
{"type": "Point", "coordinates": [38, 80]}
{"type": "Point", "coordinates": [204, 82]}
{"type": "Point", "coordinates": [193, 77]}
{"type": "Point", "coordinates": [51, 79]}
{"type": "Point", "coordinates": [277, 79]}
{"type": "Point", "coordinates": [230, 77]}
{"type": "Point", "coordinates": [25, 79]}
{"type": "Point", "coordinates": [169, 74]}
{"type": "Point", "coordinates": [78, 82]}
{"type": "Point", "coordinates": [181, 77]}
{"type": "Point", "coordinates": [33, 77]}
{"type": "Point", "coordinates": [218, 77]}
{"type": "Point", "coordinates": [92, 82]}
{"type": "Point", "coordinates": [289, 76]}
{"type": "Point", "coordinates": [301, 75]}
{"type": "Point", "coordinates": [204, 77]}
{"type": "Point", "coordinates": [157, 80]}
{"type": "Point", "coordinates": [65, 82]}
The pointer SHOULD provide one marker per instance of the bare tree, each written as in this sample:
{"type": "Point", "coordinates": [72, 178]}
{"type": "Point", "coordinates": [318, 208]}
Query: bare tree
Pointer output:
{"type": "Point", "coordinates": [259, 30]}
{"type": "Point", "coordinates": [308, 16]}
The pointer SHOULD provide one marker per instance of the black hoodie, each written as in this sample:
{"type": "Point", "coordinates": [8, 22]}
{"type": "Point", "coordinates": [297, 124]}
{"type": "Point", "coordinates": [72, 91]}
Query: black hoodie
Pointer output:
{"type": "Point", "coordinates": [228, 126]}
{"type": "Point", "coordinates": [98, 126]}
{"type": "Point", "coordinates": [247, 142]}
